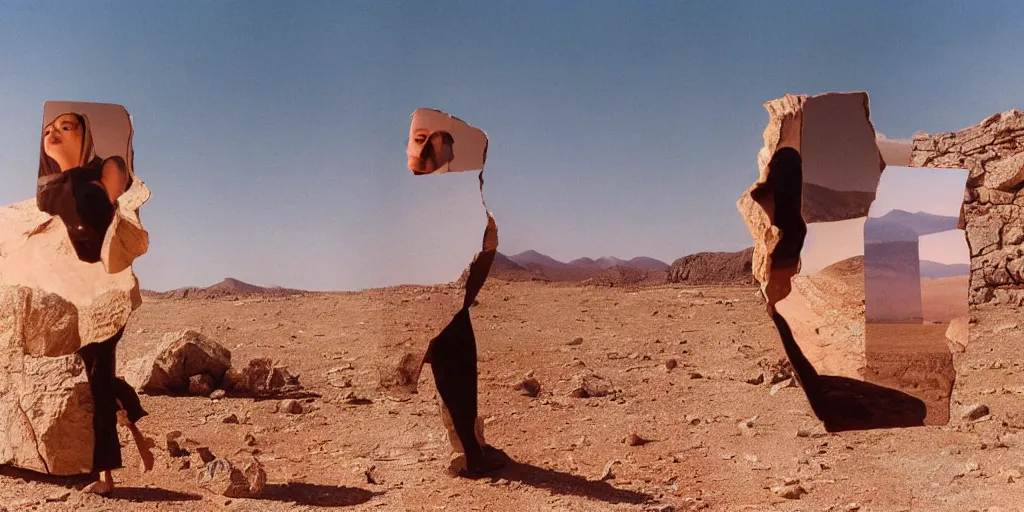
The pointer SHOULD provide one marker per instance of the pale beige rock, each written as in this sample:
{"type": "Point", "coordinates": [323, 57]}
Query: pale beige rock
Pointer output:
{"type": "Point", "coordinates": [50, 304]}
{"type": "Point", "coordinates": [179, 357]}
{"type": "Point", "coordinates": [220, 476]}
{"type": "Point", "coordinates": [957, 333]}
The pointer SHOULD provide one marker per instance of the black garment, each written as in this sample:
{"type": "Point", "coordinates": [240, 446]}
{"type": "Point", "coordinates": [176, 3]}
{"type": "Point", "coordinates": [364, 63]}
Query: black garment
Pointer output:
{"type": "Point", "coordinates": [107, 390]}
{"type": "Point", "coordinates": [83, 205]}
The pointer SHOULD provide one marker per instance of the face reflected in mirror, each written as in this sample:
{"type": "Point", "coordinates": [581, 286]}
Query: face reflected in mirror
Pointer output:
{"type": "Point", "coordinates": [64, 140]}
{"type": "Point", "coordinates": [429, 151]}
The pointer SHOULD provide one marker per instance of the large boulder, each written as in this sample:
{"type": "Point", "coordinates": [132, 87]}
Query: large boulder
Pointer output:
{"type": "Point", "coordinates": [178, 358]}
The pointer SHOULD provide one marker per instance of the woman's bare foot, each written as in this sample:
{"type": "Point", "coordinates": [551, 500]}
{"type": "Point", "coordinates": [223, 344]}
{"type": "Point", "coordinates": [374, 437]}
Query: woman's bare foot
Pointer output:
{"type": "Point", "coordinates": [103, 487]}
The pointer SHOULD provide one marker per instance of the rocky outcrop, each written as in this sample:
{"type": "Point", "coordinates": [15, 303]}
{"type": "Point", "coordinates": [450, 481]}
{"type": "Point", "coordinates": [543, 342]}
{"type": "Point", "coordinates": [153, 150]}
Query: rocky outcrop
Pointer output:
{"type": "Point", "coordinates": [180, 357]}
{"type": "Point", "coordinates": [713, 268]}
{"type": "Point", "coordinates": [993, 211]}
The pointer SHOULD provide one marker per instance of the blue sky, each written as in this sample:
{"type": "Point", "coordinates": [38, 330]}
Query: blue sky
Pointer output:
{"type": "Point", "coordinates": [272, 133]}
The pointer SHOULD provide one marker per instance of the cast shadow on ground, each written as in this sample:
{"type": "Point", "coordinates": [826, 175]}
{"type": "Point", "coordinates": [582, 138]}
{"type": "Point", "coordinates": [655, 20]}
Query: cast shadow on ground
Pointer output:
{"type": "Point", "coordinates": [558, 482]}
{"type": "Point", "coordinates": [316, 495]}
{"type": "Point", "coordinates": [75, 483]}
{"type": "Point", "coordinates": [843, 403]}
{"type": "Point", "coordinates": [151, 495]}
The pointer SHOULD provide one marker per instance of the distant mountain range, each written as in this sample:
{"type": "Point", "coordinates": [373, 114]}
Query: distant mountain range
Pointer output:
{"type": "Point", "coordinates": [904, 226]}
{"type": "Point", "coordinates": [939, 270]}
{"type": "Point", "coordinates": [536, 266]}
{"type": "Point", "coordinates": [229, 287]}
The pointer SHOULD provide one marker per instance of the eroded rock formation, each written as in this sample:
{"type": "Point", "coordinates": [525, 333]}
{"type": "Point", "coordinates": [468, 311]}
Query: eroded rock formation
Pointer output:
{"type": "Point", "coordinates": [993, 212]}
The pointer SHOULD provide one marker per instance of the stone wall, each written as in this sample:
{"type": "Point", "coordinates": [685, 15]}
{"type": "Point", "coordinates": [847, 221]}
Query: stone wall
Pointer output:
{"type": "Point", "coordinates": [993, 212]}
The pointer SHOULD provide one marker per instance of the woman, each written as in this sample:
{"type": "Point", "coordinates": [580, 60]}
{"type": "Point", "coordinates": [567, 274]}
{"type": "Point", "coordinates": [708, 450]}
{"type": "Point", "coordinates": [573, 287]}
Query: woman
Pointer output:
{"type": "Point", "coordinates": [81, 188]}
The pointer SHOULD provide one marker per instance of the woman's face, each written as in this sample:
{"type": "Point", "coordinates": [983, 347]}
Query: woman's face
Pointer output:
{"type": "Point", "coordinates": [429, 151]}
{"type": "Point", "coordinates": [62, 141]}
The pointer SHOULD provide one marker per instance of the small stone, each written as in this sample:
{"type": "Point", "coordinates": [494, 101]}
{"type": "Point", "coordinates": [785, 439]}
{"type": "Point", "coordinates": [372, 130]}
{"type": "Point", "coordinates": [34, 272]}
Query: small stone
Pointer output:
{"type": "Point", "coordinates": [692, 420]}
{"type": "Point", "coordinates": [606, 473]}
{"type": "Point", "coordinates": [635, 440]}
{"type": "Point", "coordinates": [230, 418]}
{"type": "Point", "coordinates": [756, 381]}
{"type": "Point", "coordinates": [789, 491]}
{"type": "Point", "coordinates": [976, 412]}
{"type": "Point", "coordinates": [290, 407]}
{"type": "Point", "coordinates": [185, 464]}
{"type": "Point", "coordinates": [371, 477]}
{"type": "Point", "coordinates": [695, 375]}
{"type": "Point", "coordinates": [250, 440]}
{"type": "Point", "coordinates": [205, 454]}
{"type": "Point", "coordinates": [747, 426]}
{"type": "Point", "coordinates": [59, 496]}
{"type": "Point", "coordinates": [200, 385]}
{"type": "Point", "coordinates": [174, 448]}
{"type": "Point", "coordinates": [530, 387]}
{"type": "Point", "coordinates": [575, 342]}
{"type": "Point", "coordinates": [671, 364]}
{"type": "Point", "coordinates": [788, 383]}
{"type": "Point", "coordinates": [218, 394]}
{"type": "Point", "coordinates": [803, 432]}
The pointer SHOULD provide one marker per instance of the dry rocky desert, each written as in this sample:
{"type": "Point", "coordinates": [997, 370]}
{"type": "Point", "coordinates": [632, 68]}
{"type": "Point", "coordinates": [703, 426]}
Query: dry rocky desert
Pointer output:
{"type": "Point", "coordinates": [695, 410]}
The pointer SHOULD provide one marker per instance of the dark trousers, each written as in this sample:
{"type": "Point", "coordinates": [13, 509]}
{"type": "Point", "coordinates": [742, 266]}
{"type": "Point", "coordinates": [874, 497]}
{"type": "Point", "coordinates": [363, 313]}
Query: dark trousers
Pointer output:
{"type": "Point", "coordinates": [107, 390]}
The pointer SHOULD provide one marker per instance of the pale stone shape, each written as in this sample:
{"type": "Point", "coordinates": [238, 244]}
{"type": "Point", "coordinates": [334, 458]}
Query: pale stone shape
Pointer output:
{"type": "Point", "coordinates": [220, 476]}
{"type": "Point", "coordinates": [260, 377]}
{"type": "Point", "coordinates": [957, 333]}
{"type": "Point", "coordinates": [895, 152]}
{"type": "Point", "coordinates": [180, 355]}
{"type": "Point", "coordinates": [1005, 174]}
{"type": "Point", "coordinates": [45, 403]}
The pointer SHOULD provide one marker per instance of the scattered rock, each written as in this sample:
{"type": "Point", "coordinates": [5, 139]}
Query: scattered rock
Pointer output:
{"type": "Point", "coordinates": [671, 364]}
{"type": "Point", "coordinates": [791, 491]}
{"type": "Point", "coordinates": [179, 356]}
{"type": "Point", "coordinates": [957, 333]}
{"type": "Point", "coordinates": [59, 496]}
{"type": "Point", "coordinates": [695, 375]}
{"type": "Point", "coordinates": [250, 440]}
{"type": "Point", "coordinates": [530, 387]}
{"type": "Point", "coordinates": [778, 386]}
{"type": "Point", "coordinates": [756, 381]}
{"type": "Point", "coordinates": [221, 477]}
{"type": "Point", "coordinates": [606, 473]}
{"type": "Point", "coordinates": [747, 426]}
{"type": "Point", "coordinates": [230, 418]}
{"type": "Point", "coordinates": [635, 440]}
{"type": "Point", "coordinates": [218, 394]}
{"type": "Point", "coordinates": [260, 377]}
{"type": "Point", "coordinates": [975, 412]}
{"type": "Point", "coordinates": [174, 449]}
{"type": "Point", "coordinates": [201, 385]}
{"type": "Point", "coordinates": [575, 342]}
{"type": "Point", "coordinates": [290, 407]}
{"type": "Point", "coordinates": [370, 475]}
{"type": "Point", "coordinates": [205, 454]}
{"type": "Point", "coordinates": [590, 385]}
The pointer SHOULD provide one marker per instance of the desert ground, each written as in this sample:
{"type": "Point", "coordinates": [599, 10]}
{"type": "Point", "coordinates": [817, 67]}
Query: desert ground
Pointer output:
{"type": "Point", "coordinates": [709, 439]}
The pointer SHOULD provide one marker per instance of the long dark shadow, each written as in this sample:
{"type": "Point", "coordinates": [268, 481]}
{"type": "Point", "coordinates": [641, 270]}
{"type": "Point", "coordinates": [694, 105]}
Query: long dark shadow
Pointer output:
{"type": "Point", "coordinates": [317, 495]}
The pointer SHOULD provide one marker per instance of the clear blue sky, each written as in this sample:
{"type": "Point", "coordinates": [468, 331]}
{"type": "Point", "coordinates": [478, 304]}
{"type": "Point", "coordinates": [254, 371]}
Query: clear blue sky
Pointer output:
{"type": "Point", "coordinates": [272, 133]}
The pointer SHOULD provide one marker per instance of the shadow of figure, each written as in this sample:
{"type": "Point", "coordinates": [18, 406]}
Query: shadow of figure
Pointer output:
{"type": "Point", "coordinates": [151, 495]}
{"type": "Point", "coordinates": [558, 482]}
{"type": "Point", "coordinates": [841, 403]}
{"type": "Point", "coordinates": [77, 482]}
{"type": "Point", "coordinates": [316, 495]}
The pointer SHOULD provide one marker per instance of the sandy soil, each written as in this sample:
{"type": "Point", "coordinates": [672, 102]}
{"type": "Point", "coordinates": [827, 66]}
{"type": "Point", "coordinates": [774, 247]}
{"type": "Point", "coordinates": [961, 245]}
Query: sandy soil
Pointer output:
{"type": "Point", "coordinates": [945, 298]}
{"type": "Point", "coordinates": [697, 457]}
